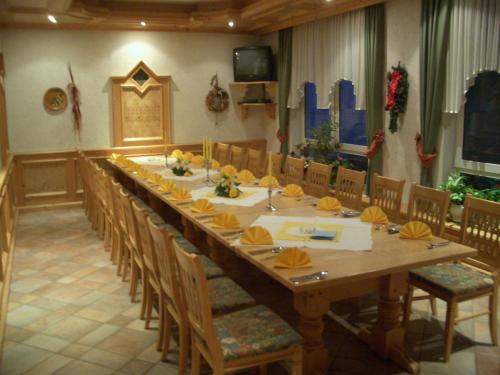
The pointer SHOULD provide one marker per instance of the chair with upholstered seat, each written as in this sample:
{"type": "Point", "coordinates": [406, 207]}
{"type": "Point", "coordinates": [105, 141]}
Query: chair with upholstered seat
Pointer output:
{"type": "Point", "coordinates": [221, 153]}
{"type": "Point", "coordinates": [387, 193]}
{"type": "Point", "coordinates": [255, 162]}
{"type": "Point", "coordinates": [224, 294]}
{"type": "Point", "coordinates": [475, 277]}
{"type": "Point", "coordinates": [318, 179]}
{"type": "Point", "coordinates": [349, 187]}
{"type": "Point", "coordinates": [294, 171]}
{"type": "Point", "coordinates": [246, 338]}
{"type": "Point", "coordinates": [237, 157]}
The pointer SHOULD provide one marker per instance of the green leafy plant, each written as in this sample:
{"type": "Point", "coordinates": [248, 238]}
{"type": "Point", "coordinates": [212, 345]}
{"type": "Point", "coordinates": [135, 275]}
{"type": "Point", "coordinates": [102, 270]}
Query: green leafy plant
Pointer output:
{"type": "Point", "coordinates": [488, 194]}
{"type": "Point", "coordinates": [457, 186]}
{"type": "Point", "coordinates": [227, 187]}
{"type": "Point", "coordinates": [339, 162]}
{"type": "Point", "coordinates": [324, 142]}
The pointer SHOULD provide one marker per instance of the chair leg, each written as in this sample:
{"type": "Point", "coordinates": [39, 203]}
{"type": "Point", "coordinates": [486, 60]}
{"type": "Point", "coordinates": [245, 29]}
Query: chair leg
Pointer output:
{"type": "Point", "coordinates": [126, 261]}
{"type": "Point", "coordinates": [183, 347]}
{"type": "Point", "coordinates": [134, 280]}
{"type": "Point", "coordinates": [161, 322]}
{"type": "Point", "coordinates": [144, 299]}
{"type": "Point", "coordinates": [433, 306]}
{"type": "Point", "coordinates": [297, 364]}
{"type": "Point", "coordinates": [493, 317]}
{"type": "Point", "coordinates": [195, 359]}
{"type": "Point", "coordinates": [450, 326]}
{"type": "Point", "coordinates": [167, 333]}
{"type": "Point", "coordinates": [149, 297]}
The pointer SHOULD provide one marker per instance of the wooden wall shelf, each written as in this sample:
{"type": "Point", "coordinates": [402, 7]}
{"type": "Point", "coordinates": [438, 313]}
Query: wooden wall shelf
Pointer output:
{"type": "Point", "coordinates": [270, 109]}
{"type": "Point", "coordinates": [244, 91]}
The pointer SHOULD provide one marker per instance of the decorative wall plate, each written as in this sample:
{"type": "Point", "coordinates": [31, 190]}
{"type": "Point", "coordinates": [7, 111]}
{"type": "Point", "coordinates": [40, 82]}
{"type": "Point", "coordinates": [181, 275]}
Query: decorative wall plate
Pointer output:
{"type": "Point", "coordinates": [55, 100]}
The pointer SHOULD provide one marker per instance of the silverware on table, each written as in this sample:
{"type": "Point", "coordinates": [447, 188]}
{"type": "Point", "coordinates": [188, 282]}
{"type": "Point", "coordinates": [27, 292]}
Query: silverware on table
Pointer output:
{"type": "Point", "coordinates": [181, 203]}
{"type": "Point", "coordinates": [207, 216]}
{"type": "Point", "coordinates": [433, 245]}
{"type": "Point", "coordinates": [263, 251]}
{"type": "Point", "coordinates": [232, 233]}
{"type": "Point", "coordinates": [393, 229]}
{"type": "Point", "coordinates": [348, 213]}
{"type": "Point", "coordinates": [310, 277]}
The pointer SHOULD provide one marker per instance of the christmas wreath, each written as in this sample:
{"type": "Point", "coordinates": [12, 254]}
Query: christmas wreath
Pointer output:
{"type": "Point", "coordinates": [397, 94]}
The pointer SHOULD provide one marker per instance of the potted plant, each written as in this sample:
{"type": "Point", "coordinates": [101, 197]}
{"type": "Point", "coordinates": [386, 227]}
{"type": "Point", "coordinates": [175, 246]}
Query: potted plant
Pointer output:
{"type": "Point", "coordinates": [456, 184]}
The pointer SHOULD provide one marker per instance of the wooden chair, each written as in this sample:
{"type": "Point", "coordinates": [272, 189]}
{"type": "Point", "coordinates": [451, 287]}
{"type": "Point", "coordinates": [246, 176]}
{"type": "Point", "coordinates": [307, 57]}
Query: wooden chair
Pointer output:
{"type": "Point", "coordinates": [247, 338]}
{"type": "Point", "coordinates": [349, 187]}
{"type": "Point", "coordinates": [238, 157]}
{"type": "Point", "coordinates": [318, 179]}
{"type": "Point", "coordinates": [122, 248]}
{"type": "Point", "coordinates": [476, 277]}
{"type": "Point", "coordinates": [294, 171]}
{"type": "Point", "coordinates": [255, 162]}
{"type": "Point", "coordinates": [221, 153]}
{"type": "Point", "coordinates": [224, 294]}
{"type": "Point", "coordinates": [387, 193]}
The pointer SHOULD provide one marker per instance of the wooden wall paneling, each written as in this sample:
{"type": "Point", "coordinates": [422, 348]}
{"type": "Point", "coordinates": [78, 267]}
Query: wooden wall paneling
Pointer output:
{"type": "Point", "coordinates": [4, 135]}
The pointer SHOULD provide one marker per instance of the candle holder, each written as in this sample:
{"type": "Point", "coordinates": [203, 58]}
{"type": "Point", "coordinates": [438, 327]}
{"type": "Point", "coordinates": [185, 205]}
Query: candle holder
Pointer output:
{"type": "Point", "coordinates": [270, 206]}
{"type": "Point", "coordinates": [207, 180]}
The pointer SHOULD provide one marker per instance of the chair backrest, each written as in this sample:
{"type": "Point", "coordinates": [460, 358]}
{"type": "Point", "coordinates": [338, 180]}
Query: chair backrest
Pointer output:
{"type": "Point", "coordinates": [255, 162]}
{"type": "Point", "coordinates": [480, 229]}
{"type": "Point", "coordinates": [108, 195]}
{"type": "Point", "coordinates": [318, 179]}
{"type": "Point", "coordinates": [118, 206]}
{"type": "Point", "coordinates": [387, 193]}
{"type": "Point", "coordinates": [222, 153]}
{"type": "Point", "coordinates": [349, 187]}
{"type": "Point", "coordinates": [429, 206]}
{"type": "Point", "coordinates": [149, 256]}
{"type": "Point", "coordinates": [131, 228]}
{"type": "Point", "coordinates": [195, 291]}
{"type": "Point", "coordinates": [238, 157]}
{"type": "Point", "coordinates": [277, 160]}
{"type": "Point", "coordinates": [294, 170]}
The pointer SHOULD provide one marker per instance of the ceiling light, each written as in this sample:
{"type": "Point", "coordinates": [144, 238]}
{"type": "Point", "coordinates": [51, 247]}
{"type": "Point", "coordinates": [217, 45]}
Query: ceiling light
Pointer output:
{"type": "Point", "coordinates": [52, 18]}
{"type": "Point", "coordinates": [143, 24]}
{"type": "Point", "coordinates": [230, 23]}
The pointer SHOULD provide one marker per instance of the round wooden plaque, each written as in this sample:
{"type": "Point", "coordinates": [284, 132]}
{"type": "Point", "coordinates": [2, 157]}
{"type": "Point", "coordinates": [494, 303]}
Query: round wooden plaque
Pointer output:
{"type": "Point", "coordinates": [55, 100]}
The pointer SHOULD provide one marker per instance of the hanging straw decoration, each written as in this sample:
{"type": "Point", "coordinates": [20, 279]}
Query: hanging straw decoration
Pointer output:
{"type": "Point", "coordinates": [75, 101]}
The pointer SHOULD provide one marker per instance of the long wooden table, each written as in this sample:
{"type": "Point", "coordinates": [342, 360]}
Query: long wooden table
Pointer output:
{"type": "Point", "coordinates": [384, 270]}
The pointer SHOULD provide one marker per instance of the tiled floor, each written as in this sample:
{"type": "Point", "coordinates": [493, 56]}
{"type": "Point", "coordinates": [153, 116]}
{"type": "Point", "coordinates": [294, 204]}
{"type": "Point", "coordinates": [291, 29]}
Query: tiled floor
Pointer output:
{"type": "Point", "coordinates": [70, 314]}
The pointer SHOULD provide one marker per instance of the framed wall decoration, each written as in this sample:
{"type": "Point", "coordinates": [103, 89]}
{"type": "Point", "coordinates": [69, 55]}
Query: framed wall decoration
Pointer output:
{"type": "Point", "coordinates": [55, 100]}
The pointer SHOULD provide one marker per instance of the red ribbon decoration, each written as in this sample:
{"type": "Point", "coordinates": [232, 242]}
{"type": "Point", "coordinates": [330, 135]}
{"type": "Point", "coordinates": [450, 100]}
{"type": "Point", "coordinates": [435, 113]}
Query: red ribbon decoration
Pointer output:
{"type": "Point", "coordinates": [391, 92]}
{"type": "Point", "coordinates": [377, 141]}
{"type": "Point", "coordinates": [281, 136]}
{"type": "Point", "coordinates": [426, 159]}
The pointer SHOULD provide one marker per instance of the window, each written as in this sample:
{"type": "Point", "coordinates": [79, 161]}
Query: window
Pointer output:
{"type": "Point", "coordinates": [352, 129]}
{"type": "Point", "coordinates": [314, 116]}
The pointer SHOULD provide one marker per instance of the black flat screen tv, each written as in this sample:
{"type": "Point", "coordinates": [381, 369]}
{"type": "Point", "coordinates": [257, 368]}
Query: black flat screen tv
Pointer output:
{"type": "Point", "coordinates": [252, 64]}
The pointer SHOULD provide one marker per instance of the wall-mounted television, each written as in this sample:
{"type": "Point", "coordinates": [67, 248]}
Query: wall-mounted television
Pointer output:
{"type": "Point", "coordinates": [252, 64]}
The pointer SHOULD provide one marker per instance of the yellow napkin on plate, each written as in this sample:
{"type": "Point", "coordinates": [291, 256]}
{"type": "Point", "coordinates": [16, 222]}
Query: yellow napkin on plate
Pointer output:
{"type": "Point", "coordinates": [132, 166]}
{"type": "Point", "coordinates": [229, 170]}
{"type": "Point", "coordinates": [292, 190]}
{"type": "Point", "coordinates": [180, 194]}
{"type": "Point", "coordinates": [155, 178]}
{"type": "Point", "coordinates": [293, 258]}
{"type": "Point", "coordinates": [197, 160]}
{"type": "Point", "coordinates": [416, 230]}
{"type": "Point", "coordinates": [329, 204]}
{"type": "Point", "coordinates": [245, 176]}
{"type": "Point", "coordinates": [188, 156]}
{"type": "Point", "coordinates": [256, 236]}
{"type": "Point", "coordinates": [141, 172]}
{"type": "Point", "coordinates": [215, 164]}
{"type": "Point", "coordinates": [115, 156]}
{"type": "Point", "coordinates": [374, 214]}
{"type": "Point", "coordinates": [226, 221]}
{"type": "Point", "coordinates": [167, 186]}
{"type": "Point", "coordinates": [264, 181]}
{"type": "Point", "coordinates": [177, 154]}
{"type": "Point", "coordinates": [202, 205]}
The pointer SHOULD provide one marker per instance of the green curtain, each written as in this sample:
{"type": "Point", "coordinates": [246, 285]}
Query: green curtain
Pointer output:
{"type": "Point", "coordinates": [434, 33]}
{"type": "Point", "coordinates": [284, 74]}
{"type": "Point", "coordinates": [375, 77]}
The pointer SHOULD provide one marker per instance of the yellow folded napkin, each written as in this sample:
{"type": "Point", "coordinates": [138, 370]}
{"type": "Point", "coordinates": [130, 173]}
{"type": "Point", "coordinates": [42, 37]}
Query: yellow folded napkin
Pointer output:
{"type": "Point", "coordinates": [215, 164]}
{"type": "Point", "coordinates": [197, 160]}
{"type": "Point", "coordinates": [167, 186]}
{"type": "Point", "coordinates": [264, 181]}
{"type": "Point", "coordinates": [177, 154]}
{"type": "Point", "coordinates": [329, 204]}
{"type": "Point", "coordinates": [374, 214]}
{"type": "Point", "coordinates": [226, 221]}
{"type": "Point", "coordinates": [141, 172]}
{"type": "Point", "coordinates": [155, 178]}
{"type": "Point", "coordinates": [256, 236]}
{"type": "Point", "coordinates": [293, 258]}
{"type": "Point", "coordinates": [180, 194]}
{"type": "Point", "coordinates": [292, 190]}
{"type": "Point", "coordinates": [202, 205]}
{"type": "Point", "coordinates": [188, 156]}
{"type": "Point", "coordinates": [229, 170]}
{"type": "Point", "coordinates": [416, 230]}
{"type": "Point", "coordinates": [245, 176]}
{"type": "Point", "coordinates": [132, 166]}
{"type": "Point", "coordinates": [115, 156]}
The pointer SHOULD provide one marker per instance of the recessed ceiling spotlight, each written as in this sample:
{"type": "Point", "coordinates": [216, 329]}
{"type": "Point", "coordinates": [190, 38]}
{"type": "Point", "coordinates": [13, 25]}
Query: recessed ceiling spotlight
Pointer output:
{"type": "Point", "coordinates": [52, 18]}
{"type": "Point", "coordinates": [143, 24]}
{"type": "Point", "coordinates": [230, 23]}
{"type": "Point", "coordinates": [328, 1]}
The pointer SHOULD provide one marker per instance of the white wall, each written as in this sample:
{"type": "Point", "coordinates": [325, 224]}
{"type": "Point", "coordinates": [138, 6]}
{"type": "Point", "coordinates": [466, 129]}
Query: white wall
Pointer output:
{"type": "Point", "coordinates": [37, 60]}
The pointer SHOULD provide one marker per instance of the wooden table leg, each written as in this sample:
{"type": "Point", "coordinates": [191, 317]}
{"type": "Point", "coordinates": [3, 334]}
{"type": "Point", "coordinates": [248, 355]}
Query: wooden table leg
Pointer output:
{"type": "Point", "coordinates": [311, 307]}
{"type": "Point", "coordinates": [216, 251]}
{"type": "Point", "coordinates": [386, 338]}
{"type": "Point", "coordinates": [189, 232]}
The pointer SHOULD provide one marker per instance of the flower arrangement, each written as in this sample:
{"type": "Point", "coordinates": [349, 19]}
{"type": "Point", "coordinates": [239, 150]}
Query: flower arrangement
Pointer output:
{"type": "Point", "coordinates": [181, 167]}
{"type": "Point", "coordinates": [227, 187]}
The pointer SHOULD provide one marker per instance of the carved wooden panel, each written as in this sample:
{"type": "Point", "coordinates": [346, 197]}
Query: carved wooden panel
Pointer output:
{"type": "Point", "coordinates": [141, 108]}
{"type": "Point", "coordinates": [44, 177]}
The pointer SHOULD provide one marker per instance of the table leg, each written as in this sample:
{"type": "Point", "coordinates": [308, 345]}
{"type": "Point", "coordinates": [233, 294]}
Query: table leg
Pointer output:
{"type": "Point", "coordinates": [386, 338]}
{"type": "Point", "coordinates": [311, 307]}
{"type": "Point", "coordinates": [216, 251]}
{"type": "Point", "coordinates": [189, 231]}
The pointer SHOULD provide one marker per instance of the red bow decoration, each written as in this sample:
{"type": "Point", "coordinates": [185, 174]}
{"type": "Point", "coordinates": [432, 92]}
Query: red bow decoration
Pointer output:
{"type": "Point", "coordinates": [391, 92]}
{"type": "Point", "coordinates": [426, 159]}
{"type": "Point", "coordinates": [281, 136]}
{"type": "Point", "coordinates": [377, 141]}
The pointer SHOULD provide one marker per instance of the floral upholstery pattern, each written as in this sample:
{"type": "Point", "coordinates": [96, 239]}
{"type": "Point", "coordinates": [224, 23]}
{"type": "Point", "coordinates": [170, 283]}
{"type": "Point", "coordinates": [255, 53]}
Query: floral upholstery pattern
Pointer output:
{"type": "Point", "coordinates": [225, 295]}
{"type": "Point", "coordinates": [212, 270]}
{"type": "Point", "coordinates": [253, 331]}
{"type": "Point", "coordinates": [454, 278]}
